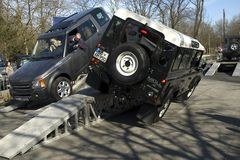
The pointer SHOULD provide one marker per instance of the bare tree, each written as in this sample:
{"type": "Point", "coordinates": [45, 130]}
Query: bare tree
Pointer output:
{"type": "Point", "coordinates": [198, 18]}
{"type": "Point", "coordinates": [177, 10]}
{"type": "Point", "coordinates": [234, 26]}
{"type": "Point", "coordinates": [143, 7]}
{"type": "Point", "coordinates": [162, 11]}
{"type": "Point", "coordinates": [48, 9]}
{"type": "Point", "coordinates": [112, 5]}
{"type": "Point", "coordinates": [24, 20]}
{"type": "Point", "coordinates": [80, 5]}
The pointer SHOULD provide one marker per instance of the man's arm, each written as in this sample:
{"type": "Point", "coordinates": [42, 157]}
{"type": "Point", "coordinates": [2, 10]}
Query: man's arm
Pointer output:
{"type": "Point", "coordinates": [82, 45]}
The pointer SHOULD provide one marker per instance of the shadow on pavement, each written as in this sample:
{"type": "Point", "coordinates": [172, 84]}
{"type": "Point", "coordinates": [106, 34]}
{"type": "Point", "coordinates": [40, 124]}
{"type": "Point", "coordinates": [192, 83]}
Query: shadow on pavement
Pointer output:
{"type": "Point", "coordinates": [226, 119]}
{"type": "Point", "coordinates": [121, 137]}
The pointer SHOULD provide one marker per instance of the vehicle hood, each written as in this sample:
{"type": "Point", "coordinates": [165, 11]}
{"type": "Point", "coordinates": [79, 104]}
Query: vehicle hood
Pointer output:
{"type": "Point", "coordinates": [32, 69]}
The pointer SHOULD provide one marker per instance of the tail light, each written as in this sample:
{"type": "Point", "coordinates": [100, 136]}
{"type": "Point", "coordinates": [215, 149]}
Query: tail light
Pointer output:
{"type": "Point", "coordinates": [98, 45]}
{"type": "Point", "coordinates": [94, 61]}
{"type": "Point", "coordinates": [143, 31]}
{"type": "Point", "coordinates": [164, 81]}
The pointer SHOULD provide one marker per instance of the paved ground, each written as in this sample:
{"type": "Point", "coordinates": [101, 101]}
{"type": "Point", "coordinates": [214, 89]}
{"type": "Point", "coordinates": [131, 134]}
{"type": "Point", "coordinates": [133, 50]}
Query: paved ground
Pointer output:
{"type": "Point", "coordinates": [224, 76]}
{"type": "Point", "coordinates": [11, 120]}
{"type": "Point", "coordinates": [205, 127]}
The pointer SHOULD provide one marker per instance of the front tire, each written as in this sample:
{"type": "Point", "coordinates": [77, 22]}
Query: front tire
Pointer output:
{"type": "Point", "coordinates": [61, 88]}
{"type": "Point", "coordinates": [190, 91]}
{"type": "Point", "coordinates": [162, 108]}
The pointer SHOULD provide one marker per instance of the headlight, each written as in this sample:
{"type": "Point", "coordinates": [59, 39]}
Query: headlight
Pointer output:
{"type": "Point", "coordinates": [39, 84]}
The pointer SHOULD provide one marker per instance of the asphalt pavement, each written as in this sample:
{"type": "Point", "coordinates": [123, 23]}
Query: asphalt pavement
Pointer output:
{"type": "Point", "coordinates": [206, 127]}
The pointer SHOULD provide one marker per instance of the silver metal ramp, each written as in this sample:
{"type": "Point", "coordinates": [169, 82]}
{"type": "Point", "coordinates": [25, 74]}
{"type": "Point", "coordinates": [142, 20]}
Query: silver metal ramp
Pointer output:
{"type": "Point", "coordinates": [236, 71]}
{"type": "Point", "coordinates": [59, 118]}
{"type": "Point", "coordinates": [213, 69]}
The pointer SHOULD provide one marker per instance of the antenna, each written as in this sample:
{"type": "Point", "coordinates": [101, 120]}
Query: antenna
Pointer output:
{"type": "Point", "coordinates": [223, 25]}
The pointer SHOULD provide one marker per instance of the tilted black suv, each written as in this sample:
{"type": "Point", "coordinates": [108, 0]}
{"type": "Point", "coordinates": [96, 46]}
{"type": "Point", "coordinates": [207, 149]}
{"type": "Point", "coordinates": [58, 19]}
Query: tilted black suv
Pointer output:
{"type": "Point", "coordinates": [53, 67]}
{"type": "Point", "coordinates": [142, 62]}
{"type": "Point", "coordinates": [231, 49]}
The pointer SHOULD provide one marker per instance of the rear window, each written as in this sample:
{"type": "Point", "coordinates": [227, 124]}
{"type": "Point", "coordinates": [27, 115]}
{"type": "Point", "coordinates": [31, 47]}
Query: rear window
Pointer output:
{"type": "Point", "coordinates": [114, 29]}
{"type": "Point", "coordinates": [87, 29]}
{"type": "Point", "coordinates": [185, 63]}
{"type": "Point", "coordinates": [177, 62]}
{"type": "Point", "coordinates": [101, 17]}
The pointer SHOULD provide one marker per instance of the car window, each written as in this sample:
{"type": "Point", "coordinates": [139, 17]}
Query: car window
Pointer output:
{"type": "Point", "coordinates": [101, 17]}
{"type": "Point", "coordinates": [87, 29]}
{"type": "Point", "coordinates": [131, 33]}
{"type": "Point", "coordinates": [185, 61]}
{"type": "Point", "coordinates": [114, 29]}
{"type": "Point", "coordinates": [177, 62]}
{"type": "Point", "coordinates": [196, 59]}
{"type": "Point", "coordinates": [197, 56]}
{"type": "Point", "coordinates": [49, 47]}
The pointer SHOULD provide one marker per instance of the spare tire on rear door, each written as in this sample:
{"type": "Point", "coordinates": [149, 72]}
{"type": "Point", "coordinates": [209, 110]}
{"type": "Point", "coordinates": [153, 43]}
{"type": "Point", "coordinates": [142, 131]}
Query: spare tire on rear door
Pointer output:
{"type": "Point", "coordinates": [234, 46]}
{"type": "Point", "coordinates": [128, 64]}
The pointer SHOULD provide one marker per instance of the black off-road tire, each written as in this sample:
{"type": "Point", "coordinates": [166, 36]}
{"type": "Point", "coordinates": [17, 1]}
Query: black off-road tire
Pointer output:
{"type": "Point", "coordinates": [57, 92]}
{"type": "Point", "coordinates": [128, 64]}
{"type": "Point", "coordinates": [191, 89]}
{"type": "Point", "coordinates": [163, 107]}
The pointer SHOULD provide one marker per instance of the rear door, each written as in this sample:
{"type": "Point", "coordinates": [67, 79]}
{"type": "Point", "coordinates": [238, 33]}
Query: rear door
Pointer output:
{"type": "Point", "coordinates": [88, 29]}
{"type": "Point", "coordinates": [111, 37]}
{"type": "Point", "coordinates": [78, 58]}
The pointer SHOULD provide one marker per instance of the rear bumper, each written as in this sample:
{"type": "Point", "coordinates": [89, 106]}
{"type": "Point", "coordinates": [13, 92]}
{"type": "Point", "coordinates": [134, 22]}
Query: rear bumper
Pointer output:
{"type": "Point", "coordinates": [231, 53]}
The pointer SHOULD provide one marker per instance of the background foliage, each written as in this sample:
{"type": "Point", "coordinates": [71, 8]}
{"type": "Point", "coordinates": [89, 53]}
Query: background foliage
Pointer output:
{"type": "Point", "coordinates": [21, 21]}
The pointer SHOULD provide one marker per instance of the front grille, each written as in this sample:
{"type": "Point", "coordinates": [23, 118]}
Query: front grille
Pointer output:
{"type": "Point", "coordinates": [22, 89]}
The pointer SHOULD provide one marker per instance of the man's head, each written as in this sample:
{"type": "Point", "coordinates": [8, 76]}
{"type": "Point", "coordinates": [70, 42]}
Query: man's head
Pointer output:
{"type": "Point", "coordinates": [77, 36]}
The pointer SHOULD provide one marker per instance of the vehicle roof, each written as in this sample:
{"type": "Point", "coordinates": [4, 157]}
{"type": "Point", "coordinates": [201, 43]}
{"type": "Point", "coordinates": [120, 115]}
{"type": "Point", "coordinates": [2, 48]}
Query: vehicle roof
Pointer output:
{"type": "Point", "coordinates": [171, 35]}
{"type": "Point", "coordinates": [62, 27]}
{"type": "Point", "coordinates": [72, 19]}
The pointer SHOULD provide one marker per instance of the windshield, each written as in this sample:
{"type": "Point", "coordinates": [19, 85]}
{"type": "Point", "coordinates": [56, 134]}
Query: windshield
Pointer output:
{"type": "Point", "coordinates": [49, 47]}
{"type": "Point", "coordinates": [2, 62]}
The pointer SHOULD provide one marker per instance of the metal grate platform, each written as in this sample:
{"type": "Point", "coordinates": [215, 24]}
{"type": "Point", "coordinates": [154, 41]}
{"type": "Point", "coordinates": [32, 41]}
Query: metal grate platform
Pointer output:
{"type": "Point", "coordinates": [56, 120]}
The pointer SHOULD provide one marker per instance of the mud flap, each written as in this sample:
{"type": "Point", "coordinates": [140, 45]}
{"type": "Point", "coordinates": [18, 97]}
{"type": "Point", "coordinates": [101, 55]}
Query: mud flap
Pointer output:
{"type": "Point", "coordinates": [147, 113]}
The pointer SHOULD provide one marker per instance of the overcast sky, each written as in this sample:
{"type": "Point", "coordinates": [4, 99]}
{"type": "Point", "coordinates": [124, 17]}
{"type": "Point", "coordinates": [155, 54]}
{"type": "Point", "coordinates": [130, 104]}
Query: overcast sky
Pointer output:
{"type": "Point", "coordinates": [215, 9]}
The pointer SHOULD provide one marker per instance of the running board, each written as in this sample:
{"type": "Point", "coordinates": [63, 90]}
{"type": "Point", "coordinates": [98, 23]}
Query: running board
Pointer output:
{"type": "Point", "coordinates": [58, 119]}
{"type": "Point", "coordinates": [236, 71]}
{"type": "Point", "coordinates": [213, 69]}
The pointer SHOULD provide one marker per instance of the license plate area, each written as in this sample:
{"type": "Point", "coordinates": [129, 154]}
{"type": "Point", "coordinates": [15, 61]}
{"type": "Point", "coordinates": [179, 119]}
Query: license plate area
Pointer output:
{"type": "Point", "coordinates": [101, 55]}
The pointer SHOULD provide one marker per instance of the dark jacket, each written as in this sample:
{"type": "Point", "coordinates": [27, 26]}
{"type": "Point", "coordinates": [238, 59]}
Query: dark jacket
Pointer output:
{"type": "Point", "coordinates": [73, 44]}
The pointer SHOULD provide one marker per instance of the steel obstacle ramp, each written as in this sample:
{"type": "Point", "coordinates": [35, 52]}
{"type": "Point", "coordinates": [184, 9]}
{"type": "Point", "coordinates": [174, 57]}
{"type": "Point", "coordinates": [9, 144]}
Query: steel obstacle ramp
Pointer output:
{"type": "Point", "coordinates": [234, 65]}
{"type": "Point", "coordinates": [57, 119]}
{"type": "Point", "coordinates": [213, 69]}
{"type": "Point", "coordinates": [236, 71]}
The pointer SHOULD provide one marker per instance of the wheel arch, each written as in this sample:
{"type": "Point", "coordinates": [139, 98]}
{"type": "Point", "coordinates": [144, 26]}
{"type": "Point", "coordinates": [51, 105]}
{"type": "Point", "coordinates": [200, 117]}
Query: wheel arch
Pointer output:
{"type": "Point", "coordinates": [195, 81]}
{"type": "Point", "coordinates": [54, 77]}
{"type": "Point", "coordinates": [165, 92]}
{"type": "Point", "coordinates": [146, 48]}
